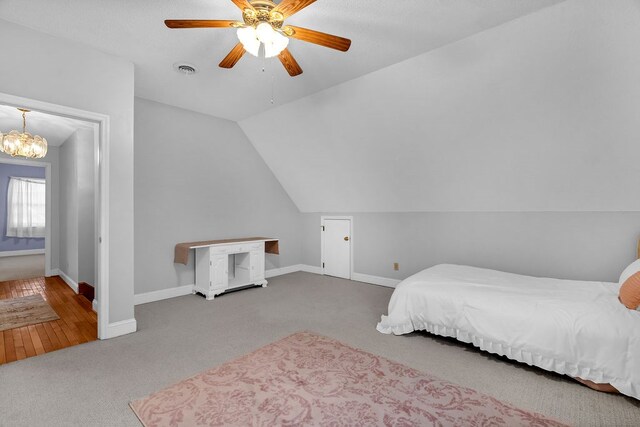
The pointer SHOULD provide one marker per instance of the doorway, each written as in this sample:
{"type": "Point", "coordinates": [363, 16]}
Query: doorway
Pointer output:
{"type": "Point", "coordinates": [48, 206]}
{"type": "Point", "coordinates": [337, 246]}
{"type": "Point", "coordinates": [99, 125]}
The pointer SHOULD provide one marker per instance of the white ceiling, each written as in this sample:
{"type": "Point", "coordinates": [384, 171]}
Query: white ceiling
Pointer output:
{"type": "Point", "coordinates": [55, 129]}
{"type": "Point", "coordinates": [383, 32]}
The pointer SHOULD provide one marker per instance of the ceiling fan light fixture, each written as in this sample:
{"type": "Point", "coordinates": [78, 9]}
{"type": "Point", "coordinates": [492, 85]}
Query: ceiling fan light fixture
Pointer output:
{"type": "Point", "coordinates": [265, 32]}
{"type": "Point", "coordinates": [277, 45]}
{"type": "Point", "coordinates": [249, 40]}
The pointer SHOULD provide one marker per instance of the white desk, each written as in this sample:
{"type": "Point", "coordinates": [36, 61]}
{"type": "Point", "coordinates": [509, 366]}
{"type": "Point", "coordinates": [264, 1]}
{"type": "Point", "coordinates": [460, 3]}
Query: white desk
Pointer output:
{"type": "Point", "coordinates": [230, 265]}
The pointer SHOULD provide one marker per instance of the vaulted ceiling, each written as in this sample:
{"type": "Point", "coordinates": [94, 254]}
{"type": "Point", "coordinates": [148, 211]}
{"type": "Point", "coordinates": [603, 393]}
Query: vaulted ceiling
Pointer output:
{"type": "Point", "coordinates": [383, 32]}
{"type": "Point", "coordinates": [539, 114]}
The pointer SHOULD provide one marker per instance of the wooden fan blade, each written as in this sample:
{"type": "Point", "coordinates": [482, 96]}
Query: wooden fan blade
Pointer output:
{"type": "Point", "coordinates": [233, 57]}
{"type": "Point", "coordinates": [290, 63]}
{"type": "Point", "coordinates": [289, 7]}
{"type": "Point", "coordinates": [316, 37]}
{"type": "Point", "coordinates": [242, 4]}
{"type": "Point", "coordinates": [199, 23]}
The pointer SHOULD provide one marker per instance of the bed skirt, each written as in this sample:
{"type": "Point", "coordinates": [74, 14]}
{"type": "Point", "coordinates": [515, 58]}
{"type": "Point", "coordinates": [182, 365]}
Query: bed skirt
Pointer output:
{"type": "Point", "coordinates": [592, 378]}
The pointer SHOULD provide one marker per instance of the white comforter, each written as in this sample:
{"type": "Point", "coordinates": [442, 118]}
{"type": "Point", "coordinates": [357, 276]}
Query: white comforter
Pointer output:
{"type": "Point", "coordinates": [571, 327]}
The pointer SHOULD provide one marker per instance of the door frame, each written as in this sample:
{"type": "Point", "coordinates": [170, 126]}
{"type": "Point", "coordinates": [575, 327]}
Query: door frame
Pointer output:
{"type": "Point", "coordinates": [341, 217]}
{"type": "Point", "coordinates": [101, 125]}
{"type": "Point", "coordinates": [47, 185]}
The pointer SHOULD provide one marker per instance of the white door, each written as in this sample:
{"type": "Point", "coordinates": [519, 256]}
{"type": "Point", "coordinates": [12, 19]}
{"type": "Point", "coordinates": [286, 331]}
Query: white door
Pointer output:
{"type": "Point", "coordinates": [337, 248]}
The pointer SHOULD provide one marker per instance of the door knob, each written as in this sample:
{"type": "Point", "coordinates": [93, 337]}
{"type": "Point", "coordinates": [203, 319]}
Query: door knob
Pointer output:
{"type": "Point", "coordinates": [346, 239]}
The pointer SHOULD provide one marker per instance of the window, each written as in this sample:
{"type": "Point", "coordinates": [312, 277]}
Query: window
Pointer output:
{"type": "Point", "coordinates": [26, 207]}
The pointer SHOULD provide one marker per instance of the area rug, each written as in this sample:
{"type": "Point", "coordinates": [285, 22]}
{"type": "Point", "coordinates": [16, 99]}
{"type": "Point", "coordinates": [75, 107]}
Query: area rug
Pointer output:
{"type": "Point", "coordinates": [309, 379]}
{"type": "Point", "coordinates": [25, 311]}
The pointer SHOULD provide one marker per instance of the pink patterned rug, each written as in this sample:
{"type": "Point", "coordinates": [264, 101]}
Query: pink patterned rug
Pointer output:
{"type": "Point", "coordinates": [309, 379]}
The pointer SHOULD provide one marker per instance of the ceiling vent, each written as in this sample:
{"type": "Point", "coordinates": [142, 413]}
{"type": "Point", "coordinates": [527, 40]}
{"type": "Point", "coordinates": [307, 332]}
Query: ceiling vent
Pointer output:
{"type": "Point", "coordinates": [187, 69]}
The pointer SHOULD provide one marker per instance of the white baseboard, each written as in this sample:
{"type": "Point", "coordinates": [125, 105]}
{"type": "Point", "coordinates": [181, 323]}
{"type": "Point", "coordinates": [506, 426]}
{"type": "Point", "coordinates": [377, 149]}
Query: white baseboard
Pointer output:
{"type": "Point", "coordinates": [375, 280]}
{"type": "Point", "coordinates": [179, 291]}
{"type": "Point", "coordinates": [311, 269]}
{"type": "Point", "coordinates": [117, 329]}
{"type": "Point", "coordinates": [283, 270]}
{"type": "Point", "coordinates": [162, 294]}
{"type": "Point", "coordinates": [68, 280]}
{"type": "Point", "coordinates": [292, 269]}
{"type": "Point", "coordinates": [358, 277]}
{"type": "Point", "coordinates": [95, 305]}
{"type": "Point", "coordinates": [21, 253]}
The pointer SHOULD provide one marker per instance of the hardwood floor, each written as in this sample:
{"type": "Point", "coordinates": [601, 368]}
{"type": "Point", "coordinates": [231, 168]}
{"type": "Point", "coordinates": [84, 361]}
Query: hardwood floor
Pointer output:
{"type": "Point", "coordinates": [77, 324]}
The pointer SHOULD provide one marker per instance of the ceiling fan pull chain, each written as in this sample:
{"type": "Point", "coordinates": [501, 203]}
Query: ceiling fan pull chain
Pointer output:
{"type": "Point", "coordinates": [273, 84]}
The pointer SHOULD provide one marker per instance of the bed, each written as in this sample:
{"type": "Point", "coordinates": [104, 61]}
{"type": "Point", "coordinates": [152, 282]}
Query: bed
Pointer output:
{"type": "Point", "coordinates": [575, 328]}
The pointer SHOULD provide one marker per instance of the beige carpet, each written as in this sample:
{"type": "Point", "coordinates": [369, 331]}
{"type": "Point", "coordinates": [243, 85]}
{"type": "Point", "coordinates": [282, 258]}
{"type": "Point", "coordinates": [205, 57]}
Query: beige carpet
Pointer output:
{"type": "Point", "coordinates": [307, 379]}
{"type": "Point", "coordinates": [181, 337]}
{"type": "Point", "coordinates": [21, 267]}
{"type": "Point", "coordinates": [25, 311]}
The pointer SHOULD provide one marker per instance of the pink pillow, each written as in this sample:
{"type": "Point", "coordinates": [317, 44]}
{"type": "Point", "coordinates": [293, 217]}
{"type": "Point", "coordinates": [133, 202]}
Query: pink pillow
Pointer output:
{"type": "Point", "coordinates": [630, 286]}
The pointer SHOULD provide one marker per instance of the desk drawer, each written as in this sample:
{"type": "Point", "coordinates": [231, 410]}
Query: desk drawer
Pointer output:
{"type": "Point", "coordinates": [236, 249]}
{"type": "Point", "coordinates": [219, 250]}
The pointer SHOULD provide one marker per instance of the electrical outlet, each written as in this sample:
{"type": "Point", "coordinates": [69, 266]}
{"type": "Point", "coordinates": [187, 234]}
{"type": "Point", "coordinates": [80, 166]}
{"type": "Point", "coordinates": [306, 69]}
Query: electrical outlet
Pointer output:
{"type": "Point", "coordinates": [396, 266]}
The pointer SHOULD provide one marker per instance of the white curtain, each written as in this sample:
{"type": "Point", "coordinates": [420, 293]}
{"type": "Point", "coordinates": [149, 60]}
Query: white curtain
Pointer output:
{"type": "Point", "coordinates": [26, 207]}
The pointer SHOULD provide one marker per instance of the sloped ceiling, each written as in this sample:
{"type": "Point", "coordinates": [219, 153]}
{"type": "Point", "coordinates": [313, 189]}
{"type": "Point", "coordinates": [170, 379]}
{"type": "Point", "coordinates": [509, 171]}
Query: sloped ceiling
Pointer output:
{"type": "Point", "coordinates": [539, 114]}
{"type": "Point", "coordinates": [384, 32]}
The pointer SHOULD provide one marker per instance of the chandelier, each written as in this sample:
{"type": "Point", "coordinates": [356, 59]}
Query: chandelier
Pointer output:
{"type": "Point", "coordinates": [23, 144]}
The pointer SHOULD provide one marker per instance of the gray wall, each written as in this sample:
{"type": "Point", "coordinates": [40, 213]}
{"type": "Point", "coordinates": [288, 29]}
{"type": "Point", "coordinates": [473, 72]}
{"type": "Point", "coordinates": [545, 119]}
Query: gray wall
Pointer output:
{"type": "Point", "coordinates": [77, 201]}
{"type": "Point", "coordinates": [569, 245]}
{"type": "Point", "coordinates": [68, 249]}
{"type": "Point", "coordinates": [70, 74]}
{"type": "Point", "coordinates": [198, 178]}
{"type": "Point", "coordinates": [86, 187]}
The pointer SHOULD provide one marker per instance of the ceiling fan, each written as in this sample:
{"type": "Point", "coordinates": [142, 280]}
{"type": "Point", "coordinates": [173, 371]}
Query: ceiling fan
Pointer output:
{"type": "Point", "coordinates": [263, 26]}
